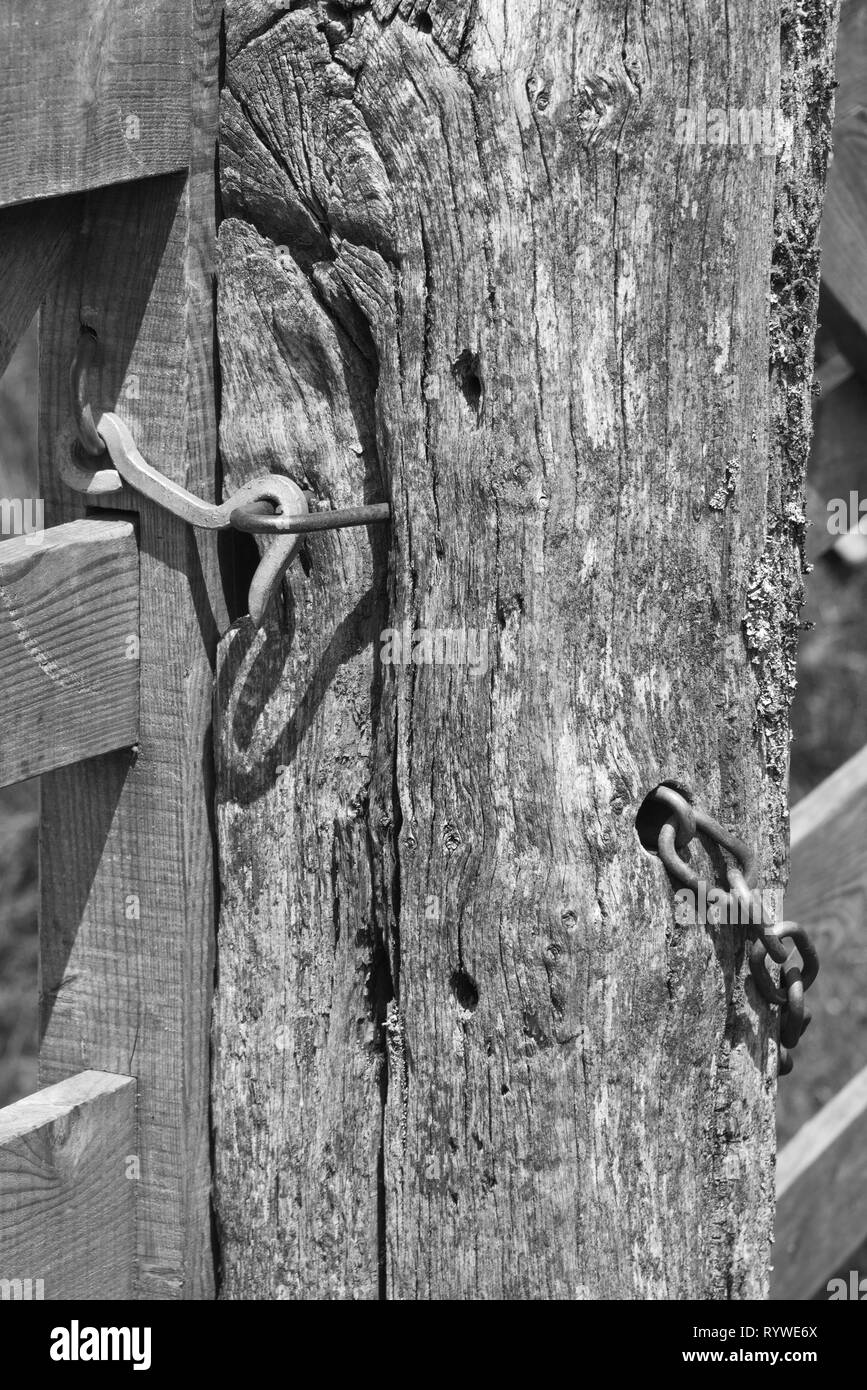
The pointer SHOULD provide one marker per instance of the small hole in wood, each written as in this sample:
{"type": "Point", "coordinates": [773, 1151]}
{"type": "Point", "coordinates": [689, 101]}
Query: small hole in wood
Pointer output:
{"type": "Point", "coordinates": [465, 990]}
{"type": "Point", "coordinates": [423, 22]}
{"type": "Point", "coordinates": [467, 373]}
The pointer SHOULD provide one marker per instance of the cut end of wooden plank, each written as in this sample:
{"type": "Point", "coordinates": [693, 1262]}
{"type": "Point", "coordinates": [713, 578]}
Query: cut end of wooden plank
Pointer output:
{"type": "Point", "coordinates": [69, 645]}
{"type": "Point", "coordinates": [68, 1167]}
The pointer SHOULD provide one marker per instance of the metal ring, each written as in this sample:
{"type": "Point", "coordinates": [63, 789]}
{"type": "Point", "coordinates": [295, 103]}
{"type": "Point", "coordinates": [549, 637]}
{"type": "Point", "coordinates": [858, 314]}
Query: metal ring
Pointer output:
{"type": "Point", "coordinates": [676, 867]}
{"type": "Point", "coordinates": [792, 1013]}
{"type": "Point", "coordinates": [790, 931]}
{"type": "Point", "coordinates": [747, 858]}
{"type": "Point", "coordinates": [85, 357]}
{"type": "Point", "coordinates": [683, 813]}
{"type": "Point", "coordinates": [760, 973]}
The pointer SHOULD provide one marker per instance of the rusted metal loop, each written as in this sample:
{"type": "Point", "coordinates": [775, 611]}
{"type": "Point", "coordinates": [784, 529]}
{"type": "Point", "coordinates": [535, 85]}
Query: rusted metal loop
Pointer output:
{"type": "Point", "coordinates": [676, 867]}
{"type": "Point", "coordinates": [748, 898]}
{"type": "Point", "coordinates": [773, 946]}
{"type": "Point", "coordinates": [792, 1013]}
{"type": "Point", "coordinates": [706, 825]}
{"type": "Point", "coordinates": [684, 815]}
{"type": "Point", "coordinates": [790, 931]}
{"type": "Point", "coordinates": [785, 1062]}
{"type": "Point", "coordinates": [85, 356]}
{"type": "Point", "coordinates": [760, 973]}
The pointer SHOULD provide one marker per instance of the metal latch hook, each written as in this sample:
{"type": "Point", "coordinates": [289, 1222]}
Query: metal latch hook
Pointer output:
{"type": "Point", "coordinates": [287, 496]}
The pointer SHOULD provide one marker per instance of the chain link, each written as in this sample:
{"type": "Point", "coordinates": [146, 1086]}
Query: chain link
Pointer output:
{"type": "Point", "coordinates": [684, 823]}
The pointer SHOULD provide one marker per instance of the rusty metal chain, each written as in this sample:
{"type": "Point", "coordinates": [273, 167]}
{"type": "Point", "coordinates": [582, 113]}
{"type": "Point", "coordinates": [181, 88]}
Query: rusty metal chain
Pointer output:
{"type": "Point", "coordinates": [683, 823]}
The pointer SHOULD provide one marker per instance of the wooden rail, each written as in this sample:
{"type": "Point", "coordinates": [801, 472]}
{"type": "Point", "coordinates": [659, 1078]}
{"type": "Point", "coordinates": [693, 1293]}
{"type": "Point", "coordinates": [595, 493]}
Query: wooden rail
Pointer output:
{"type": "Point", "coordinates": [91, 92]}
{"type": "Point", "coordinates": [822, 1194]}
{"type": "Point", "coordinates": [96, 94]}
{"type": "Point", "coordinates": [828, 880]}
{"type": "Point", "coordinates": [69, 645]}
{"type": "Point", "coordinates": [68, 1172]}
{"type": "Point", "coordinates": [822, 1172]}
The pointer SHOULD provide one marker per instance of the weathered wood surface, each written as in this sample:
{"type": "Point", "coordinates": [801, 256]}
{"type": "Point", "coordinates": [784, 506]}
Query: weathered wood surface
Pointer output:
{"type": "Point", "coordinates": [466, 266]}
{"type": "Point", "coordinates": [127, 859]}
{"type": "Point", "coordinates": [69, 646]}
{"type": "Point", "coordinates": [822, 1194]}
{"type": "Point", "coordinates": [67, 1195]}
{"type": "Point", "coordinates": [91, 92]}
{"type": "Point", "coordinates": [34, 245]}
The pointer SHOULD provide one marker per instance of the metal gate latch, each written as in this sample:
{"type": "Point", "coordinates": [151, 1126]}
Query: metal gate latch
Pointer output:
{"type": "Point", "coordinates": [272, 505]}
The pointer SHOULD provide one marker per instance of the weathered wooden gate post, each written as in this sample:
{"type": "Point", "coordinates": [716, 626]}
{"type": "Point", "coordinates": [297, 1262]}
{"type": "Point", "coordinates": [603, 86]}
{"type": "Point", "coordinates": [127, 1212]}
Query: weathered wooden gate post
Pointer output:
{"type": "Point", "coordinates": [540, 276]}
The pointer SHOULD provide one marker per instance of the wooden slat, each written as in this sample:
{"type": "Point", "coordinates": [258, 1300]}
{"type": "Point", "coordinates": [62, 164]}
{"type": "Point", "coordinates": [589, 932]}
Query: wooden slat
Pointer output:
{"type": "Point", "coordinates": [67, 1185]}
{"type": "Point", "coordinates": [34, 244]}
{"type": "Point", "coordinates": [828, 881]}
{"type": "Point", "coordinates": [827, 894]}
{"type": "Point", "coordinates": [69, 668]}
{"type": "Point", "coordinates": [127, 865]}
{"type": "Point", "coordinates": [844, 219]}
{"type": "Point", "coordinates": [822, 1194]}
{"type": "Point", "coordinates": [838, 460]}
{"type": "Point", "coordinates": [91, 92]}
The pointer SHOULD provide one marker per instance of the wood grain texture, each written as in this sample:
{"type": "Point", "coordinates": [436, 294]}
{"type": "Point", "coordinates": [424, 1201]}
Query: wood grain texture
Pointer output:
{"type": "Point", "coordinates": [34, 245]}
{"type": "Point", "coordinates": [67, 1193]}
{"type": "Point", "coordinates": [91, 92]}
{"type": "Point", "coordinates": [822, 1194]}
{"type": "Point", "coordinates": [69, 632]}
{"type": "Point", "coordinates": [127, 860]}
{"type": "Point", "coordinates": [467, 266]}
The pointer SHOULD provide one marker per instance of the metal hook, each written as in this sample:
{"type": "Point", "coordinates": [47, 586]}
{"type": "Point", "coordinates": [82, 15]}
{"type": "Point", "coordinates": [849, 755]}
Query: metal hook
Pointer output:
{"type": "Point", "coordinates": [92, 481]}
{"type": "Point", "coordinates": [134, 469]}
{"type": "Point", "coordinates": [79, 372]}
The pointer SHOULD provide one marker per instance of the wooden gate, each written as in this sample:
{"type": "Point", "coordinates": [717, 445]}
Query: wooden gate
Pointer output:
{"type": "Point", "coordinates": [107, 638]}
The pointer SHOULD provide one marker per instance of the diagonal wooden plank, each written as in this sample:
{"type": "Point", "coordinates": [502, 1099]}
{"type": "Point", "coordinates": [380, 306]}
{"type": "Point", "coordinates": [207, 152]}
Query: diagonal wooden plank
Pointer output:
{"type": "Point", "coordinates": [67, 1184]}
{"type": "Point", "coordinates": [822, 1194]}
{"type": "Point", "coordinates": [844, 219]}
{"type": "Point", "coordinates": [827, 894]}
{"type": "Point", "coordinates": [91, 92]}
{"type": "Point", "coordinates": [69, 646]}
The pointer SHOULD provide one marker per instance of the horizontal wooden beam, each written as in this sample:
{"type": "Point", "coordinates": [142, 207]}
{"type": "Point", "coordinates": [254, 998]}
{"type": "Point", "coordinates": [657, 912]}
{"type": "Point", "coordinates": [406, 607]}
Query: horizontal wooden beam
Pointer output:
{"type": "Point", "coordinates": [91, 92]}
{"type": "Point", "coordinates": [69, 625]}
{"type": "Point", "coordinates": [68, 1168]}
{"type": "Point", "coordinates": [821, 1195]}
